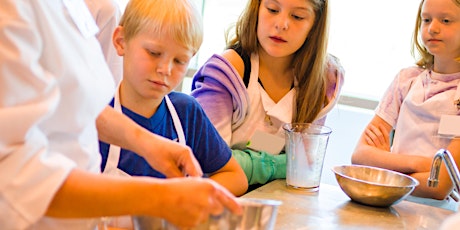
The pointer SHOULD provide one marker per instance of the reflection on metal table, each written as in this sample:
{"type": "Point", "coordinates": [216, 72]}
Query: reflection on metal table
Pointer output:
{"type": "Point", "coordinates": [331, 208]}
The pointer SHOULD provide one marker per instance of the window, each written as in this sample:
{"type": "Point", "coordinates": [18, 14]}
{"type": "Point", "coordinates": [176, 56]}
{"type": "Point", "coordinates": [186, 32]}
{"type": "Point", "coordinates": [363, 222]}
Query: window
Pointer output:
{"type": "Point", "coordinates": [373, 41]}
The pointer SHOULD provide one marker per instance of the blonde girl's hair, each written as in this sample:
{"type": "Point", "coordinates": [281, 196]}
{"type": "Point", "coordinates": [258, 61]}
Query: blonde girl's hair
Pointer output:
{"type": "Point", "coordinates": [426, 59]}
{"type": "Point", "coordinates": [179, 19]}
{"type": "Point", "coordinates": [309, 62]}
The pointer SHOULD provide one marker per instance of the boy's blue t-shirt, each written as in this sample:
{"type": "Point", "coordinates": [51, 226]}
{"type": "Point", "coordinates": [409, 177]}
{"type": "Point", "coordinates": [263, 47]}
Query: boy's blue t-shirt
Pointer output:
{"type": "Point", "coordinates": [209, 148]}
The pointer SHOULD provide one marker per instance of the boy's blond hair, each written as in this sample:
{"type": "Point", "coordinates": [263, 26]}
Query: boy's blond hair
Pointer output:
{"type": "Point", "coordinates": [179, 19]}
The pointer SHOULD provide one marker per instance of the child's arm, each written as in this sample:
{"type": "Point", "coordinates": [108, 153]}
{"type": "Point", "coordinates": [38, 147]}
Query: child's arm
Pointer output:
{"type": "Point", "coordinates": [445, 185]}
{"type": "Point", "coordinates": [232, 177]}
{"type": "Point", "coordinates": [373, 149]}
{"type": "Point", "coordinates": [377, 136]}
{"type": "Point", "coordinates": [168, 157]}
{"type": "Point", "coordinates": [261, 167]}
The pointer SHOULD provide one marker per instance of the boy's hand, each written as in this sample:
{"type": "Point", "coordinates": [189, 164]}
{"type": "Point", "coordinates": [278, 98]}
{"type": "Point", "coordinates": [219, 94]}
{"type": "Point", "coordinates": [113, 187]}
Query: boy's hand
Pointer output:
{"type": "Point", "coordinates": [170, 158]}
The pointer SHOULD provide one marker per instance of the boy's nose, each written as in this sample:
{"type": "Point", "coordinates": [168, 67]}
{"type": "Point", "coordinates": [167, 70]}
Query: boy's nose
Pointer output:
{"type": "Point", "coordinates": [164, 68]}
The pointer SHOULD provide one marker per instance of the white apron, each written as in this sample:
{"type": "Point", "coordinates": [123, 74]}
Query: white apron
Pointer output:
{"type": "Point", "coordinates": [264, 114]}
{"type": "Point", "coordinates": [416, 103]}
{"type": "Point", "coordinates": [113, 157]}
{"type": "Point", "coordinates": [421, 114]}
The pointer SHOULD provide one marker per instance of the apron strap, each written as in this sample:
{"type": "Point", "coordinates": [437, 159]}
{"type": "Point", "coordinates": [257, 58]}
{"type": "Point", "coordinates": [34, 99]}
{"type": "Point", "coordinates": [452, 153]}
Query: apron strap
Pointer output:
{"type": "Point", "coordinates": [176, 121]}
{"type": "Point", "coordinates": [457, 97]}
{"type": "Point", "coordinates": [113, 156]}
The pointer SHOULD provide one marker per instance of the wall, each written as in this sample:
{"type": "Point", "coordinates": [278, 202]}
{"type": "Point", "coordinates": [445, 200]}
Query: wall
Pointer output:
{"type": "Point", "coordinates": [347, 123]}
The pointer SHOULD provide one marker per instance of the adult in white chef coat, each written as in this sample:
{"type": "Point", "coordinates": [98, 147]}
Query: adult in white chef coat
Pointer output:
{"type": "Point", "coordinates": [54, 90]}
{"type": "Point", "coordinates": [107, 15]}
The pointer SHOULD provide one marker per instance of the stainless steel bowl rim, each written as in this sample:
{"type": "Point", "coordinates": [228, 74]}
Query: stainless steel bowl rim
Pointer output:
{"type": "Point", "coordinates": [258, 213]}
{"type": "Point", "coordinates": [413, 184]}
{"type": "Point", "coordinates": [258, 202]}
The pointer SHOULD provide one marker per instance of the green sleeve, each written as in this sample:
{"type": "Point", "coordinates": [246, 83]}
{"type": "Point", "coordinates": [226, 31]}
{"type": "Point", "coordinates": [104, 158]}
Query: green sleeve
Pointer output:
{"type": "Point", "coordinates": [261, 167]}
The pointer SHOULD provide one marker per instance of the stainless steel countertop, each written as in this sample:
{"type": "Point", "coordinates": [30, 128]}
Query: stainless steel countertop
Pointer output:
{"type": "Point", "coordinates": [331, 208]}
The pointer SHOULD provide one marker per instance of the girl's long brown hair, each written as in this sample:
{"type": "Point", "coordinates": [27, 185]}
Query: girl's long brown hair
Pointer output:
{"type": "Point", "coordinates": [309, 62]}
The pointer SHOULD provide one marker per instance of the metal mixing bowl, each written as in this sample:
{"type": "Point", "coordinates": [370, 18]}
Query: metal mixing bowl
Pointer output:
{"type": "Point", "coordinates": [258, 214]}
{"type": "Point", "coordinates": [374, 186]}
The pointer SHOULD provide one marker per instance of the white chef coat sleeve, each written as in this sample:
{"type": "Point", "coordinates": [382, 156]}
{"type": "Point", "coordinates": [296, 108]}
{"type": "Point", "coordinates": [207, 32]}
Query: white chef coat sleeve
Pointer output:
{"type": "Point", "coordinates": [107, 15]}
{"type": "Point", "coordinates": [29, 177]}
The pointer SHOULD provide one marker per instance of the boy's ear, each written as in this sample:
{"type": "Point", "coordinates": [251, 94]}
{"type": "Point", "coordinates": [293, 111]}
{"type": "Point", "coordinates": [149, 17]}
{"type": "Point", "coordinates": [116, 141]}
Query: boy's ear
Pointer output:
{"type": "Point", "coordinates": [118, 40]}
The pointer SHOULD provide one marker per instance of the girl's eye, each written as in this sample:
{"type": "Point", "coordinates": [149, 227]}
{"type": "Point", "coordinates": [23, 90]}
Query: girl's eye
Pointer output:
{"type": "Point", "coordinates": [426, 20]}
{"type": "Point", "coordinates": [445, 21]}
{"type": "Point", "coordinates": [272, 10]}
{"type": "Point", "coordinates": [154, 53]}
{"type": "Point", "coordinates": [297, 17]}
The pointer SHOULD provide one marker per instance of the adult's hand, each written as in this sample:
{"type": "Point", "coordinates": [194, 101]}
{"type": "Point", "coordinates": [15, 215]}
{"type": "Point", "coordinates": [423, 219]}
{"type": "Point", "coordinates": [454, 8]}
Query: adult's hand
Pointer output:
{"type": "Point", "coordinates": [187, 202]}
{"type": "Point", "coordinates": [170, 158]}
{"type": "Point", "coordinates": [184, 202]}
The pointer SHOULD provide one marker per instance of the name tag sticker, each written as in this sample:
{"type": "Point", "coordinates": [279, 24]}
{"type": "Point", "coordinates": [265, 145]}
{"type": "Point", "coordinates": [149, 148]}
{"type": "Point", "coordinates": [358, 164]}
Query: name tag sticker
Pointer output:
{"type": "Point", "coordinates": [269, 143]}
{"type": "Point", "coordinates": [449, 125]}
{"type": "Point", "coordinates": [81, 16]}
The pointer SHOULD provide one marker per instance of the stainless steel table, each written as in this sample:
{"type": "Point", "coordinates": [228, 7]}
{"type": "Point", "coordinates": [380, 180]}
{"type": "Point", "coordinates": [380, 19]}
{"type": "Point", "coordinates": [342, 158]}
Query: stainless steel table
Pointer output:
{"type": "Point", "coordinates": [331, 208]}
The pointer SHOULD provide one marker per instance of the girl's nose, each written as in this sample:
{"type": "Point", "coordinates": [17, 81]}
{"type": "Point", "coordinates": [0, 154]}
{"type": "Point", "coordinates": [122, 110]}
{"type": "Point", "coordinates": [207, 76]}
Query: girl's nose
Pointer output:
{"type": "Point", "coordinates": [433, 27]}
{"type": "Point", "coordinates": [282, 23]}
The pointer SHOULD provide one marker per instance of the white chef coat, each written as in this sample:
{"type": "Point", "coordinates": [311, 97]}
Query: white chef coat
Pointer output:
{"type": "Point", "coordinates": [53, 84]}
{"type": "Point", "coordinates": [107, 14]}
